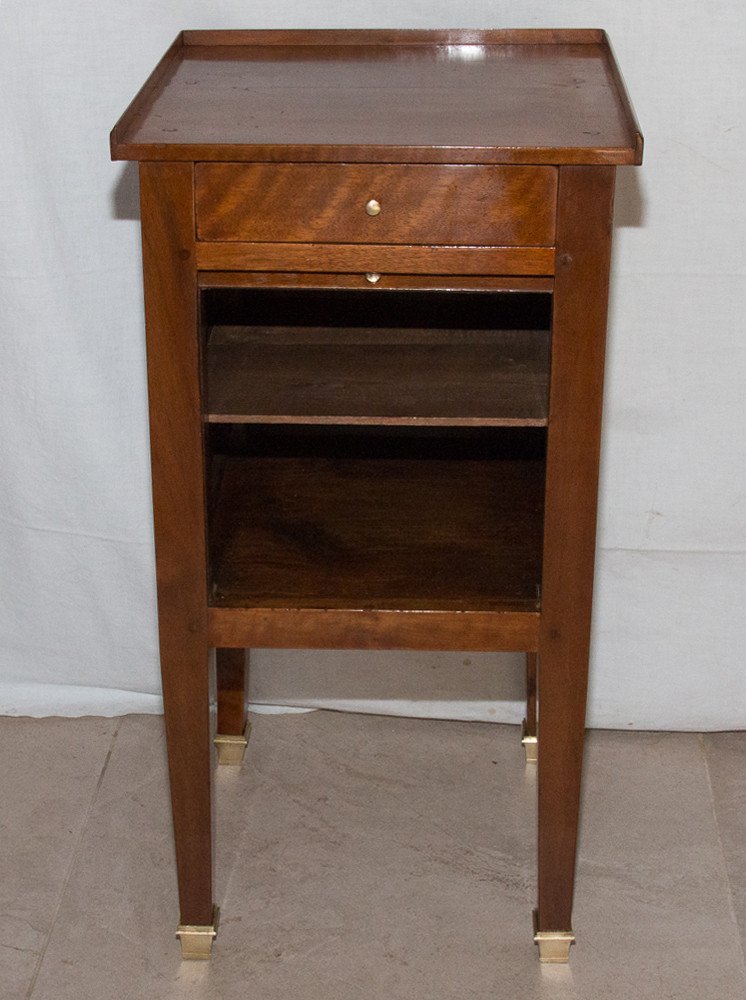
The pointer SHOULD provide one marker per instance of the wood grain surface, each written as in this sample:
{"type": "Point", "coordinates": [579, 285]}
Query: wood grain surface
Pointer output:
{"type": "Point", "coordinates": [375, 259]}
{"type": "Point", "coordinates": [374, 524]}
{"type": "Point", "coordinates": [532, 665]}
{"type": "Point", "coordinates": [315, 628]}
{"type": "Point", "coordinates": [578, 343]}
{"type": "Point", "coordinates": [492, 155]}
{"type": "Point", "coordinates": [434, 282]}
{"type": "Point", "coordinates": [359, 376]}
{"type": "Point", "coordinates": [232, 684]}
{"type": "Point", "coordinates": [473, 96]}
{"type": "Point", "coordinates": [326, 203]}
{"type": "Point", "coordinates": [325, 37]}
{"type": "Point", "coordinates": [167, 208]}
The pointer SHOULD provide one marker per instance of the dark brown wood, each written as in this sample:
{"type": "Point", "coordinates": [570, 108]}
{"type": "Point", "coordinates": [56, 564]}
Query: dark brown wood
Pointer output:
{"type": "Point", "coordinates": [380, 259]}
{"type": "Point", "coordinates": [232, 683]}
{"type": "Point", "coordinates": [578, 333]}
{"type": "Point", "coordinates": [386, 97]}
{"type": "Point", "coordinates": [531, 669]}
{"type": "Point", "coordinates": [426, 377]}
{"type": "Point", "coordinates": [314, 628]}
{"type": "Point", "coordinates": [444, 283]}
{"type": "Point", "coordinates": [326, 38]}
{"type": "Point", "coordinates": [420, 534]}
{"type": "Point", "coordinates": [418, 203]}
{"type": "Point", "coordinates": [149, 91]}
{"type": "Point", "coordinates": [625, 103]}
{"type": "Point", "coordinates": [179, 514]}
{"type": "Point", "coordinates": [492, 155]}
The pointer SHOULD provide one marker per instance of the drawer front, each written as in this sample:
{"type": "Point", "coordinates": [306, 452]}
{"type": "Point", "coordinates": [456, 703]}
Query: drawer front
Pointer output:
{"type": "Point", "coordinates": [368, 203]}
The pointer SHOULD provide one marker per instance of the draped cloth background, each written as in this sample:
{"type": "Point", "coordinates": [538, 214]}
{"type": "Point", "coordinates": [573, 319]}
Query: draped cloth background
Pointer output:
{"type": "Point", "coordinates": [77, 600]}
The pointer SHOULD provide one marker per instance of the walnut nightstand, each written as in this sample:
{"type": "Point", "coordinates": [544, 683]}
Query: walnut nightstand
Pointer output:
{"type": "Point", "coordinates": [376, 268]}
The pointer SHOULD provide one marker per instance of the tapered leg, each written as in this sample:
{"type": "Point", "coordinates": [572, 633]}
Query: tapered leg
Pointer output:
{"type": "Point", "coordinates": [233, 725]}
{"type": "Point", "coordinates": [578, 337]}
{"type": "Point", "coordinates": [179, 517]}
{"type": "Point", "coordinates": [528, 733]}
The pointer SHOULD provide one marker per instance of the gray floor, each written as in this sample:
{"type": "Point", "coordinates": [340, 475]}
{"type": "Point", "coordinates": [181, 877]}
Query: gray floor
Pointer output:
{"type": "Point", "coordinates": [367, 857]}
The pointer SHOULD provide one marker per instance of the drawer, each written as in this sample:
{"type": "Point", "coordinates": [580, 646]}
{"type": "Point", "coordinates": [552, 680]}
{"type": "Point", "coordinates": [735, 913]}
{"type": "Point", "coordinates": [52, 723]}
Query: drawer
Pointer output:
{"type": "Point", "coordinates": [370, 203]}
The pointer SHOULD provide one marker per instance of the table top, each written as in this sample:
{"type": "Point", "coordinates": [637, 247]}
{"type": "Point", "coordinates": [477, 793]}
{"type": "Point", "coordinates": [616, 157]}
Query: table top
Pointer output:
{"type": "Point", "coordinates": [461, 96]}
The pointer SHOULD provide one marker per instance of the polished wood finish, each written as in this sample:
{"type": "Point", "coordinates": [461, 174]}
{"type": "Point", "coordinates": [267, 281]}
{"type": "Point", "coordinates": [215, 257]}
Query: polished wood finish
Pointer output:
{"type": "Point", "coordinates": [334, 38]}
{"type": "Point", "coordinates": [427, 534]}
{"type": "Point", "coordinates": [532, 662]}
{"type": "Point", "coordinates": [385, 97]}
{"type": "Point", "coordinates": [455, 510]}
{"type": "Point", "coordinates": [377, 259]}
{"type": "Point", "coordinates": [317, 628]}
{"type": "Point", "coordinates": [167, 210]}
{"type": "Point", "coordinates": [578, 340]}
{"type": "Point", "coordinates": [434, 282]}
{"type": "Point", "coordinates": [375, 376]}
{"type": "Point", "coordinates": [232, 684]}
{"type": "Point", "coordinates": [326, 203]}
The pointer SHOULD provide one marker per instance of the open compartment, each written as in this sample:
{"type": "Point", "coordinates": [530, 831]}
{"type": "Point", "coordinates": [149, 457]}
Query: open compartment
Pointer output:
{"type": "Point", "coordinates": [376, 356]}
{"type": "Point", "coordinates": [375, 449]}
{"type": "Point", "coordinates": [378, 518]}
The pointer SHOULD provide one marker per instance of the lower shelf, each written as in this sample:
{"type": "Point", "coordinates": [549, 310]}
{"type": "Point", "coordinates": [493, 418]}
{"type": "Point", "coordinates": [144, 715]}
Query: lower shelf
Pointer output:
{"type": "Point", "coordinates": [307, 547]}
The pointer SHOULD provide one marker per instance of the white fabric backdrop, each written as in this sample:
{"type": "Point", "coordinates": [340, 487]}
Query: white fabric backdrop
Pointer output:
{"type": "Point", "coordinates": [77, 623]}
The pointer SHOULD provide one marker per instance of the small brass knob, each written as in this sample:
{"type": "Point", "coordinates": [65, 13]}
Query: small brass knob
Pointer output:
{"type": "Point", "coordinates": [373, 207]}
{"type": "Point", "coordinates": [372, 277]}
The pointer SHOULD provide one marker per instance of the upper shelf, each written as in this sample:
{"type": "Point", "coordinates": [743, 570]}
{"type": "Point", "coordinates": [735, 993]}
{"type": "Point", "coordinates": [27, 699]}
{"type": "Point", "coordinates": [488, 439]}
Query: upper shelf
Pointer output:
{"type": "Point", "coordinates": [372, 376]}
{"type": "Point", "coordinates": [528, 96]}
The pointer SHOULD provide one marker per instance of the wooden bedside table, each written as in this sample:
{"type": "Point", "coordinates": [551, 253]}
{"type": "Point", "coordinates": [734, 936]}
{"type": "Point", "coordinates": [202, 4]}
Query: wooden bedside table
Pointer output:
{"type": "Point", "coordinates": [376, 268]}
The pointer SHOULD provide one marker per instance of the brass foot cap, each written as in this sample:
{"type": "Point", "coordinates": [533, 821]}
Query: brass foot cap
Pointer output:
{"type": "Point", "coordinates": [554, 946]}
{"type": "Point", "coordinates": [231, 748]}
{"type": "Point", "coordinates": [196, 939]}
{"type": "Point", "coordinates": [530, 744]}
